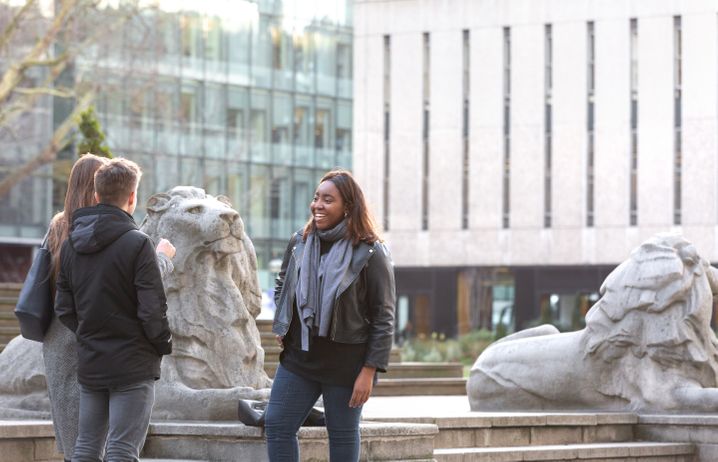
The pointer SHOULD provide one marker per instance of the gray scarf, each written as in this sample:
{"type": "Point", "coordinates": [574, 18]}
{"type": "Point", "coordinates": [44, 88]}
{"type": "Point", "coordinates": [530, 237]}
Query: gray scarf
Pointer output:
{"type": "Point", "coordinates": [319, 279]}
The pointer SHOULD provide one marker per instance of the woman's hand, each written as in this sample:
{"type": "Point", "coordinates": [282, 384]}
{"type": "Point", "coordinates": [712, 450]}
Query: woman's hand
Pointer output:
{"type": "Point", "coordinates": [362, 386]}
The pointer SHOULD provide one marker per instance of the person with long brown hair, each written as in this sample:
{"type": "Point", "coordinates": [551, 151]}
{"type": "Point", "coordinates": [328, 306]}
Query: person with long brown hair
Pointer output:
{"type": "Point", "coordinates": [59, 344]}
{"type": "Point", "coordinates": [335, 300]}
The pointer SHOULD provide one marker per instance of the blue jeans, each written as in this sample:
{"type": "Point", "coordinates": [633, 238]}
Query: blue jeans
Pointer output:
{"type": "Point", "coordinates": [118, 415]}
{"type": "Point", "coordinates": [291, 400]}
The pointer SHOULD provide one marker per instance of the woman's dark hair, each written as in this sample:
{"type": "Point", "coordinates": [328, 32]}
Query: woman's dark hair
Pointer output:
{"type": "Point", "coordinates": [360, 225]}
{"type": "Point", "coordinates": [80, 193]}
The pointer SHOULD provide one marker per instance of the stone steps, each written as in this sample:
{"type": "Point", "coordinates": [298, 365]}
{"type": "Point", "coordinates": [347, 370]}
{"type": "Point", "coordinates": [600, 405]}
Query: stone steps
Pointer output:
{"type": "Point", "coordinates": [484, 429]}
{"type": "Point", "coordinates": [494, 437]}
{"type": "Point", "coordinates": [7, 303]}
{"type": "Point", "coordinates": [271, 354]}
{"type": "Point", "coordinates": [10, 289]}
{"type": "Point", "coordinates": [420, 386]}
{"type": "Point", "coordinates": [7, 319]}
{"type": "Point", "coordinates": [8, 333]}
{"type": "Point", "coordinates": [231, 441]}
{"type": "Point", "coordinates": [9, 327]}
{"type": "Point", "coordinates": [623, 452]}
{"type": "Point", "coordinates": [413, 370]}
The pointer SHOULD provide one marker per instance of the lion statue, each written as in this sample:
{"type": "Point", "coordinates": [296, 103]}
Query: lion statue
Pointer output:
{"type": "Point", "coordinates": [213, 298]}
{"type": "Point", "coordinates": [647, 345]}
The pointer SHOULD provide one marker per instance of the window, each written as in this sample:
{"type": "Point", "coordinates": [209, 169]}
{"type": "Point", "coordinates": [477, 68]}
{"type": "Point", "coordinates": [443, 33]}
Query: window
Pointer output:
{"type": "Point", "coordinates": [677, 124]}
{"type": "Point", "coordinates": [548, 124]}
{"type": "Point", "coordinates": [590, 95]}
{"type": "Point", "coordinates": [465, 131]}
{"type": "Point", "coordinates": [633, 181]}
{"type": "Point", "coordinates": [425, 134]}
{"type": "Point", "coordinates": [506, 210]}
{"type": "Point", "coordinates": [387, 112]}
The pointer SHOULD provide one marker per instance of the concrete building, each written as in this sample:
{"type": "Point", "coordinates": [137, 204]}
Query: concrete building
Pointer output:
{"type": "Point", "coordinates": [515, 151]}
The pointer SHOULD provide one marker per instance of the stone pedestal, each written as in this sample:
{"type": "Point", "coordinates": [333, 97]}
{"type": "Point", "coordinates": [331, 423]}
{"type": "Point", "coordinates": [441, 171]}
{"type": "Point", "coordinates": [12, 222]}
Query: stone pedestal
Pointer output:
{"type": "Point", "coordinates": [235, 442]}
{"type": "Point", "coordinates": [700, 430]}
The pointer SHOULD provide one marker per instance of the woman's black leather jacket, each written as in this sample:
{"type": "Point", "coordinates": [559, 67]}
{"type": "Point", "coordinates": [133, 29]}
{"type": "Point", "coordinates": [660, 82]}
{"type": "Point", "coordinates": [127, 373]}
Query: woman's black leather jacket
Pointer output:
{"type": "Point", "coordinates": [364, 310]}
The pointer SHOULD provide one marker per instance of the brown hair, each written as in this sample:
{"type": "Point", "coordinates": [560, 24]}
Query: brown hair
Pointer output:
{"type": "Point", "coordinates": [80, 193]}
{"type": "Point", "coordinates": [360, 224]}
{"type": "Point", "coordinates": [116, 180]}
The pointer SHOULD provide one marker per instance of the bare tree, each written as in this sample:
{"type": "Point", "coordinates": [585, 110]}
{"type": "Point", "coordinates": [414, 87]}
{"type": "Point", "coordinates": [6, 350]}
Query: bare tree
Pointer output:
{"type": "Point", "coordinates": [34, 42]}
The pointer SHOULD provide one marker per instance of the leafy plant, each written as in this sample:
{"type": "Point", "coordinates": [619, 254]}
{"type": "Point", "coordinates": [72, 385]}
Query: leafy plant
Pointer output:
{"type": "Point", "coordinates": [93, 138]}
{"type": "Point", "coordinates": [437, 348]}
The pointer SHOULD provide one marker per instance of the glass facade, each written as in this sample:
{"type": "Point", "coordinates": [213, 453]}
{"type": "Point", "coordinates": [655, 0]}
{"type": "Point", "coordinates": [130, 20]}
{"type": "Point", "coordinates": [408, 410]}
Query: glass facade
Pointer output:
{"type": "Point", "coordinates": [250, 99]}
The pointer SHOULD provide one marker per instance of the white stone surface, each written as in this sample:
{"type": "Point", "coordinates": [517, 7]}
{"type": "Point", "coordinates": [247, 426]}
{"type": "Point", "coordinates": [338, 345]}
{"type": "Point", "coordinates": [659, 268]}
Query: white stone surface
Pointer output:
{"type": "Point", "coordinates": [569, 242]}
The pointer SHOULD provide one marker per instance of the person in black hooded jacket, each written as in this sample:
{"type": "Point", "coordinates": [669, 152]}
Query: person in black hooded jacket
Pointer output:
{"type": "Point", "coordinates": [110, 293]}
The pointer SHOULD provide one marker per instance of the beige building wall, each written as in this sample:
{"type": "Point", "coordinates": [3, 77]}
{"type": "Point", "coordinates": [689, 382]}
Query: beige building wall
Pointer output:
{"type": "Point", "coordinates": [568, 241]}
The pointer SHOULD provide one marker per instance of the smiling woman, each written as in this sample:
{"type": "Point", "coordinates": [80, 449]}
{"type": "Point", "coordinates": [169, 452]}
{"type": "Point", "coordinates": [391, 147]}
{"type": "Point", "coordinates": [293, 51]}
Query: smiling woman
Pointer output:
{"type": "Point", "coordinates": [327, 206]}
{"type": "Point", "coordinates": [335, 301]}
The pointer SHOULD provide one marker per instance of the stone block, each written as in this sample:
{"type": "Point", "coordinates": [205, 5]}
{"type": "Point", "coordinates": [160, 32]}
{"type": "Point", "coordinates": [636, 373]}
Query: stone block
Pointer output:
{"type": "Point", "coordinates": [607, 433]}
{"type": "Point", "coordinates": [478, 455]}
{"type": "Point", "coordinates": [604, 451]}
{"type": "Point", "coordinates": [456, 438]}
{"type": "Point", "coordinates": [673, 419]}
{"type": "Point", "coordinates": [549, 453]}
{"type": "Point", "coordinates": [481, 436]}
{"type": "Point", "coordinates": [517, 419]}
{"type": "Point", "coordinates": [509, 436]}
{"type": "Point", "coordinates": [464, 421]}
{"type": "Point", "coordinates": [662, 433]}
{"type": "Point", "coordinates": [399, 448]}
{"type": "Point", "coordinates": [566, 418]}
{"type": "Point", "coordinates": [45, 449]}
{"type": "Point", "coordinates": [17, 449]}
{"type": "Point", "coordinates": [706, 452]}
{"type": "Point", "coordinates": [659, 449]}
{"type": "Point", "coordinates": [608, 418]}
{"type": "Point", "coordinates": [556, 435]}
{"type": "Point", "coordinates": [205, 449]}
{"type": "Point", "coordinates": [26, 428]}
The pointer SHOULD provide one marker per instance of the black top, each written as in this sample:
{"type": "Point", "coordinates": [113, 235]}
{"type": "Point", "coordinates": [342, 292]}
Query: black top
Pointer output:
{"type": "Point", "coordinates": [109, 292]}
{"type": "Point", "coordinates": [326, 362]}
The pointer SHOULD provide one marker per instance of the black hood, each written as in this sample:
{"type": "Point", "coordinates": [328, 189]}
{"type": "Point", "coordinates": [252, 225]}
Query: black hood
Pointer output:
{"type": "Point", "coordinates": [94, 228]}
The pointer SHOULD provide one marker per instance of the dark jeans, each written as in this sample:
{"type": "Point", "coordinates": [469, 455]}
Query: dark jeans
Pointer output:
{"type": "Point", "coordinates": [291, 400]}
{"type": "Point", "coordinates": [118, 415]}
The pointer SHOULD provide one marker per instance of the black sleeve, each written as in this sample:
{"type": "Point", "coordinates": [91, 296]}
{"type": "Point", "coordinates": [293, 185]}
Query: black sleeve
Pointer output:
{"type": "Point", "coordinates": [381, 301]}
{"type": "Point", "coordinates": [279, 281]}
{"type": "Point", "coordinates": [64, 299]}
{"type": "Point", "coordinates": [151, 301]}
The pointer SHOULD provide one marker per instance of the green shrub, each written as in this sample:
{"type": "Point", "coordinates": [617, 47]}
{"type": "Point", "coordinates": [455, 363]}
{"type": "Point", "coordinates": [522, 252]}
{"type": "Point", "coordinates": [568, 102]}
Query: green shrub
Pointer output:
{"type": "Point", "coordinates": [437, 348]}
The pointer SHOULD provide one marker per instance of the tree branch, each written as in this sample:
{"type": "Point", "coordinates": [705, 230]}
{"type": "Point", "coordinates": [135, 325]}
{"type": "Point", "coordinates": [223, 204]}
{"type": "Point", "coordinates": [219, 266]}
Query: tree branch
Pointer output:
{"type": "Point", "coordinates": [12, 27]}
{"type": "Point", "coordinates": [44, 62]}
{"type": "Point", "coordinates": [15, 73]}
{"type": "Point", "coordinates": [41, 91]}
{"type": "Point", "coordinates": [59, 140]}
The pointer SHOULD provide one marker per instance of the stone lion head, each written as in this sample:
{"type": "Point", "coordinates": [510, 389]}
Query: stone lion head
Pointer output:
{"type": "Point", "coordinates": [196, 221]}
{"type": "Point", "coordinates": [654, 316]}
